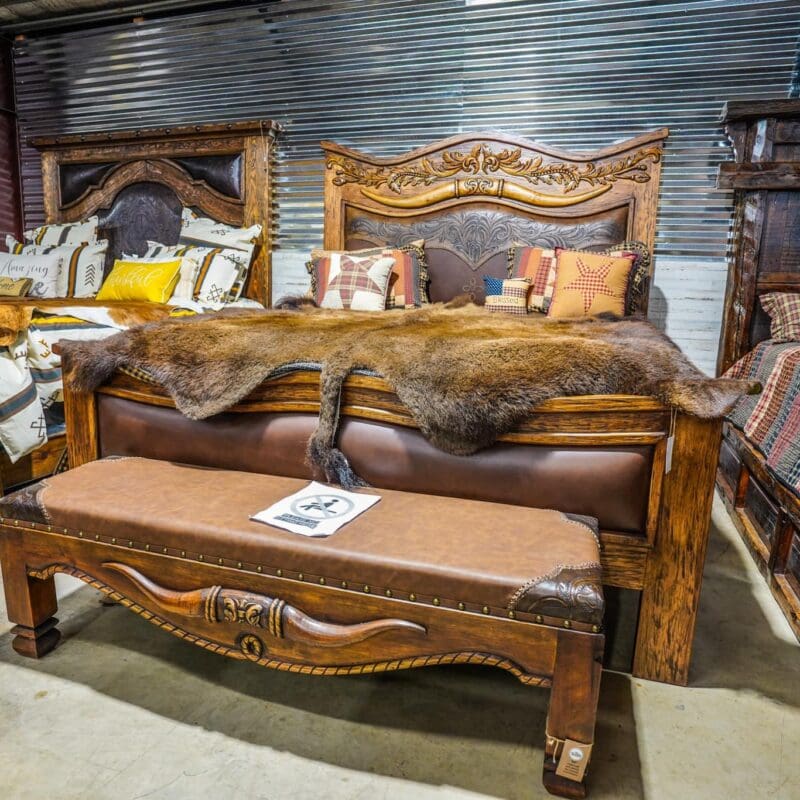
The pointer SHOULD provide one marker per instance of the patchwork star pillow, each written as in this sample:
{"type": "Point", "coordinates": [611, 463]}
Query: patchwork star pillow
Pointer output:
{"type": "Point", "coordinates": [588, 284]}
{"type": "Point", "coordinates": [358, 284]}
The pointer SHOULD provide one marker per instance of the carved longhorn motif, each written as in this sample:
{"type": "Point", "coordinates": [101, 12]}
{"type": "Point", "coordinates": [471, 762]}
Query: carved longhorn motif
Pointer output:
{"type": "Point", "coordinates": [481, 159]}
{"type": "Point", "coordinates": [216, 604]}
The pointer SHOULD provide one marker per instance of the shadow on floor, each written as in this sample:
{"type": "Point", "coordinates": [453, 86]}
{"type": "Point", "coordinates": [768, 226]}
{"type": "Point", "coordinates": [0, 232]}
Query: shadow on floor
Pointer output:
{"type": "Point", "coordinates": [736, 646]}
{"type": "Point", "coordinates": [470, 727]}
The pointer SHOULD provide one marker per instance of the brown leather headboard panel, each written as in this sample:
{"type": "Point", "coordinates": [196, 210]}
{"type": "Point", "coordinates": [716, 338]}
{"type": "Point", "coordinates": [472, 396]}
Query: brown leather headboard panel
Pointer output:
{"type": "Point", "coordinates": [138, 181]}
{"type": "Point", "coordinates": [472, 196]}
{"type": "Point", "coordinates": [464, 244]}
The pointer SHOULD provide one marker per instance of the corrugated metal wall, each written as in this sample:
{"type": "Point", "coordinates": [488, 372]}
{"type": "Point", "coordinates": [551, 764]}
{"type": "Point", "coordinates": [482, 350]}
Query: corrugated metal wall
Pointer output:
{"type": "Point", "coordinates": [389, 75]}
{"type": "Point", "coordinates": [392, 74]}
{"type": "Point", "coordinates": [10, 216]}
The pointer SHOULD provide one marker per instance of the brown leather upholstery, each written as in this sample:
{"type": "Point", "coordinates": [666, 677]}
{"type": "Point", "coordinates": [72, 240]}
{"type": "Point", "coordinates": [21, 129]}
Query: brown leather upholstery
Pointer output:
{"type": "Point", "coordinates": [487, 556]}
{"type": "Point", "coordinates": [611, 484]}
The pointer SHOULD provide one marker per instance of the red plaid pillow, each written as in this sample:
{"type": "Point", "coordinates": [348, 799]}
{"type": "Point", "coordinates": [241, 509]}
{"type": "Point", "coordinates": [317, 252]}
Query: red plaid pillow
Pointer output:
{"type": "Point", "coordinates": [784, 313]}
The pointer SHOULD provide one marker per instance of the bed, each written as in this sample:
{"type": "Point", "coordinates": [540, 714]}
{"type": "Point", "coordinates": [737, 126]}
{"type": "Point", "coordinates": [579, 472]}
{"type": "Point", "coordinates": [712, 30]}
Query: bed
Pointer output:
{"type": "Point", "coordinates": [138, 182]}
{"type": "Point", "coordinates": [759, 465]}
{"type": "Point", "coordinates": [470, 197]}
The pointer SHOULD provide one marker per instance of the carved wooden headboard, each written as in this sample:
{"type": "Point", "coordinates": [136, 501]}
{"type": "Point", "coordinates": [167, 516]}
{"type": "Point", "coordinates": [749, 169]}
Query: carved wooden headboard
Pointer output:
{"type": "Point", "coordinates": [138, 181]}
{"type": "Point", "coordinates": [474, 195]}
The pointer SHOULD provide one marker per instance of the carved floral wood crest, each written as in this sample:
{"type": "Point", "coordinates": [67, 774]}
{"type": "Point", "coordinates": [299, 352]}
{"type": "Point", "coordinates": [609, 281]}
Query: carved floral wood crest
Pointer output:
{"type": "Point", "coordinates": [483, 160]}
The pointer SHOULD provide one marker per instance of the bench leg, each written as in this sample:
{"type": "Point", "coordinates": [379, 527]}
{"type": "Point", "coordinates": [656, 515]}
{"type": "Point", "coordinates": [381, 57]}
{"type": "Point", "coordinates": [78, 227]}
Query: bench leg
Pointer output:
{"type": "Point", "coordinates": [573, 706]}
{"type": "Point", "coordinates": [30, 603]}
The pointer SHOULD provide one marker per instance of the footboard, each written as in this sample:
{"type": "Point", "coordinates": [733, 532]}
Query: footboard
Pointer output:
{"type": "Point", "coordinates": [604, 456]}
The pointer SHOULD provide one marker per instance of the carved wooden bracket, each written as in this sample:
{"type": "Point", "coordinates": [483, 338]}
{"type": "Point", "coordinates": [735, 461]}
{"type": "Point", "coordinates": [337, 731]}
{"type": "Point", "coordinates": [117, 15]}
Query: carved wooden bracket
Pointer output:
{"type": "Point", "coordinates": [216, 604]}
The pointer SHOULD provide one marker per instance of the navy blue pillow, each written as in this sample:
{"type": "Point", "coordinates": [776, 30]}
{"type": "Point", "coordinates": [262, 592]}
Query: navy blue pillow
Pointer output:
{"type": "Point", "coordinates": [493, 285]}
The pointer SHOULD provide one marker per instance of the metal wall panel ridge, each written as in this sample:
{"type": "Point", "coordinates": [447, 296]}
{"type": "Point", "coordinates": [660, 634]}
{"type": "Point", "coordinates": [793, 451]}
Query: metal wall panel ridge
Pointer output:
{"type": "Point", "coordinates": [393, 74]}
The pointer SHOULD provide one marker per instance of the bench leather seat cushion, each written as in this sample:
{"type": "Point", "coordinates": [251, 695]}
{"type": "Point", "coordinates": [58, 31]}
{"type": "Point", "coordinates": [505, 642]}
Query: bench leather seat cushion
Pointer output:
{"type": "Point", "coordinates": [504, 557]}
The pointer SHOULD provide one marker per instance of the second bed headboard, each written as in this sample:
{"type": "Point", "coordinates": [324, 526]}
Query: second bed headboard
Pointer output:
{"type": "Point", "coordinates": [138, 181]}
{"type": "Point", "coordinates": [474, 195]}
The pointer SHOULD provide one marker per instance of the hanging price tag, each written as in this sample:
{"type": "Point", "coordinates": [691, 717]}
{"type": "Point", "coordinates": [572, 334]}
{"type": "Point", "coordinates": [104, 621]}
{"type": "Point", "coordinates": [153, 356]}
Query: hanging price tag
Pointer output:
{"type": "Point", "coordinates": [574, 760]}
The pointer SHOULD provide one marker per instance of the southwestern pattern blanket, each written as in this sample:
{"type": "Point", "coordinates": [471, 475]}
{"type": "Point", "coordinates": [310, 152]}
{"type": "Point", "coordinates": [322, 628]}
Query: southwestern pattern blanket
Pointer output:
{"type": "Point", "coordinates": [466, 376]}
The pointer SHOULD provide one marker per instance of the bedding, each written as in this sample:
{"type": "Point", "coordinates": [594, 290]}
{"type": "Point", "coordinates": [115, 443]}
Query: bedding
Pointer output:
{"type": "Point", "coordinates": [465, 375]}
{"type": "Point", "coordinates": [218, 273]}
{"type": "Point", "coordinates": [771, 420]}
{"type": "Point", "coordinates": [408, 282]}
{"type": "Point", "coordinates": [44, 270]}
{"type": "Point", "coordinates": [15, 287]}
{"type": "Point", "coordinates": [31, 387]}
{"type": "Point", "coordinates": [83, 264]}
{"type": "Point", "coordinates": [197, 230]}
{"type": "Point", "coordinates": [358, 284]}
{"type": "Point", "coordinates": [70, 233]}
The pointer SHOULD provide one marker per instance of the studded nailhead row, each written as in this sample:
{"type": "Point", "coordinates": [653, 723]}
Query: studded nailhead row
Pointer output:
{"type": "Point", "coordinates": [539, 619]}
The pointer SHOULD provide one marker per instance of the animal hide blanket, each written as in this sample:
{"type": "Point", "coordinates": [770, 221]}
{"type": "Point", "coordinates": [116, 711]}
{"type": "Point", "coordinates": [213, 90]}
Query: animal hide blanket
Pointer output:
{"type": "Point", "coordinates": [466, 375]}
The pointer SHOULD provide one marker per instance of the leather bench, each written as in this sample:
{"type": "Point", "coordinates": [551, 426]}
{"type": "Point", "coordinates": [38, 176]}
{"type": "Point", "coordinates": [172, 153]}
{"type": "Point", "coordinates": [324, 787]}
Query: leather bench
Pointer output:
{"type": "Point", "coordinates": [417, 580]}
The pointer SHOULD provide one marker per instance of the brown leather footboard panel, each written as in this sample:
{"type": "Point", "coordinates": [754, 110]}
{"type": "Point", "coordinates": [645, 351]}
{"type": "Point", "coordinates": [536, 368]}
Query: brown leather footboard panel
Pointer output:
{"type": "Point", "coordinates": [608, 483]}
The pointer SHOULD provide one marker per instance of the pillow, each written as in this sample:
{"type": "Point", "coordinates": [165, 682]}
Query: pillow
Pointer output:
{"type": "Point", "coordinates": [408, 283]}
{"type": "Point", "coordinates": [151, 281]}
{"type": "Point", "coordinates": [83, 264]}
{"type": "Point", "coordinates": [11, 287]}
{"type": "Point", "coordinates": [590, 283]}
{"type": "Point", "coordinates": [784, 313]}
{"type": "Point", "coordinates": [57, 235]}
{"type": "Point", "coordinates": [220, 269]}
{"type": "Point", "coordinates": [197, 230]}
{"type": "Point", "coordinates": [184, 288]}
{"type": "Point", "coordinates": [494, 286]}
{"type": "Point", "coordinates": [358, 284]}
{"type": "Point", "coordinates": [202, 230]}
{"type": "Point", "coordinates": [640, 273]}
{"type": "Point", "coordinates": [538, 264]}
{"type": "Point", "coordinates": [44, 270]}
{"type": "Point", "coordinates": [513, 299]}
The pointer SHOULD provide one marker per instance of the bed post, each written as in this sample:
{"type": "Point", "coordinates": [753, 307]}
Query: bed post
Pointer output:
{"type": "Point", "coordinates": [80, 410]}
{"type": "Point", "coordinates": [674, 571]}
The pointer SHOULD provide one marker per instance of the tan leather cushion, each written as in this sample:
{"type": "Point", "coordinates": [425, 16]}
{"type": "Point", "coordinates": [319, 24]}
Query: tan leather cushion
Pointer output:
{"type": "Point", "coordinates": [480, 554]}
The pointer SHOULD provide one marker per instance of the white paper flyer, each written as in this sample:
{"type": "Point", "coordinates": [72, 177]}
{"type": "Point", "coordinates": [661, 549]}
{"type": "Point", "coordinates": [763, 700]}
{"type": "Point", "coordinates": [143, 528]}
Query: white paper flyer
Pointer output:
{"type": "Point", "coordinates": [317, 510]}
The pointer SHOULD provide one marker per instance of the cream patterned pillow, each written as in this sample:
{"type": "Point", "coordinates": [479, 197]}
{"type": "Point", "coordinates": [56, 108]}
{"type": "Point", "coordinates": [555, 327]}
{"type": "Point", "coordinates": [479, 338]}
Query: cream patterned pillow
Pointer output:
{"type": "Point", "coordinates": [219, 268]}
{"type": "Point", "coordinates": [358, 284]}
{"type": "Point", "coordinates": [82, 275]}
{"type": "Point", "coordinates": [197, 230]}
{"type": "Point", "coordinates": [44, 270]}
{"type": "Point", "coordinates": [56, 235]}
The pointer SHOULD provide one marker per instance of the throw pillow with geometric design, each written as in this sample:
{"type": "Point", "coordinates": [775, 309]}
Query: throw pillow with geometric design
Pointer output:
{"type": "Point", "coordinates": [358, 284]}
{"type": "Point", "coordinates": [590, 283]}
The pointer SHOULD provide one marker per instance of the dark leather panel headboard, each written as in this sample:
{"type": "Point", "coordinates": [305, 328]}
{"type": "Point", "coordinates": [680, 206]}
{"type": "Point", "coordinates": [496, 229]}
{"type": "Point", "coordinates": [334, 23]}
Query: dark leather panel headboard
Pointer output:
{"type": "Point", "coordinates": [472, 196]}
{"type": "Point", "coordinates": [137, 182]}
{"type": "Point", "coordinates": [463, 244]}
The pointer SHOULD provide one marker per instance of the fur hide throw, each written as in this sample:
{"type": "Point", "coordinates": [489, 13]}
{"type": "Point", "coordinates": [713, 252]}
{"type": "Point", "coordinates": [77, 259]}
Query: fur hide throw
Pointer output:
{"type": "Point", "coordinates": [466, 375]}
{"type": "Point", "coordinates": [13, 320]}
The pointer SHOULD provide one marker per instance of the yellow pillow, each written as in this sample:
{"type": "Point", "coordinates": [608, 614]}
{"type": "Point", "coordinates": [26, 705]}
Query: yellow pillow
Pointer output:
{"type": "Point", "coordinates": [141, 280]}
{"type": "Point", "coordinates": [589, 284]}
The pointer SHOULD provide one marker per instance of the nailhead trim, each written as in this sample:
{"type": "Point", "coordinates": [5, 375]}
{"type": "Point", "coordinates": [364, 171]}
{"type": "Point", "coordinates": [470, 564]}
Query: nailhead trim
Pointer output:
{"type": "Point", "coordinates": [322, 580]}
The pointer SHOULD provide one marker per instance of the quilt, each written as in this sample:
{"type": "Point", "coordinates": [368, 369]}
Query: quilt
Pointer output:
{"type": "Point", "coordinates": [771, 420]}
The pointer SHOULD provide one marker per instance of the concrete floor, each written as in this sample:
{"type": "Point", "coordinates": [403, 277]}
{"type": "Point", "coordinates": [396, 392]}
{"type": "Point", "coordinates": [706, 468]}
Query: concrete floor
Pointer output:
{"type": "Point", "coordinates": [121, 710]}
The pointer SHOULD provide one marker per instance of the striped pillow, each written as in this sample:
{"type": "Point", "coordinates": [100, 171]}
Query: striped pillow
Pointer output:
{"type": "Point", "coordinates": [205, 232]}
{"type": "Point", "coordinates": [219, 270]}
{"type": "Point", "coordinates": [539, 265]}
{"type": "Point", "coordinates": [56, 235]}
{"type": "Point", "coordinates": [408, 283]}
{"type": "Point", "coordinates": [784, 313]}
{"type": "Point", "coordinates": [513, 299]}
{"type": "Point", "coordinates": [84, 264]}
